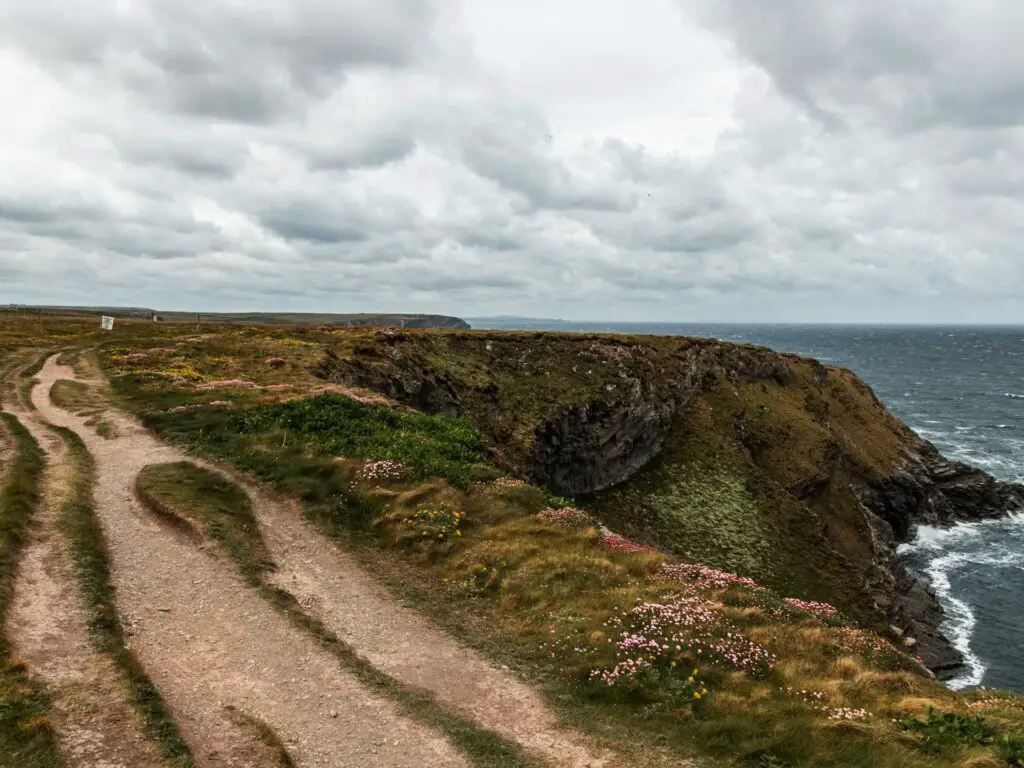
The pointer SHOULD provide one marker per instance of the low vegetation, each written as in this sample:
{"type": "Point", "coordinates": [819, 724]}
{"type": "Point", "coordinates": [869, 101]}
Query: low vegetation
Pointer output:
{"type": "Point", "coordinates": [700, 609]}
{"type": "Point", "coordinates": [26, 737]}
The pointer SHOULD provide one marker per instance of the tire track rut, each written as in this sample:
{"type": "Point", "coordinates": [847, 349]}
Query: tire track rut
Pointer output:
{"type": "Point", "coordinates": [96, 727]}
{"type": "Point", "coordinates": [208, 641]}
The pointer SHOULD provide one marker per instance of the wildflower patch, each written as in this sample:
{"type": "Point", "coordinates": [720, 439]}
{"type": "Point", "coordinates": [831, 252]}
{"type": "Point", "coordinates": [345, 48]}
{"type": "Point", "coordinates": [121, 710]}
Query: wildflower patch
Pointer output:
{"type": "Point", "coordinates": [433, 523]}
{"type": "Point", "coordinates": [874, 649]}
{"type": "Point", "coordinates": [704, 577]}
{"type": "Point", "coordinates": [568, 517]}
{"type": "Point", "coordinates": [822, 610]}
{"type": "Point", "coordinates": [384, 470]}
{"type": "Point", "coordinates": [816, 699]}
{"type": "Point", "coordinates": [649, 650]}
{"type": "Point", "coordinates": [617, 543]}
{"type": "Point", "coordinates": [507, 484]}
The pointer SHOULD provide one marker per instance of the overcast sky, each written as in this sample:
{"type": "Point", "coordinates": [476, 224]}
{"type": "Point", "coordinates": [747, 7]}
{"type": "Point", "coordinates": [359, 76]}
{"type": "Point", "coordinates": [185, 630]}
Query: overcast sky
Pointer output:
{"type": "Point", "coordinates": [801, 160]}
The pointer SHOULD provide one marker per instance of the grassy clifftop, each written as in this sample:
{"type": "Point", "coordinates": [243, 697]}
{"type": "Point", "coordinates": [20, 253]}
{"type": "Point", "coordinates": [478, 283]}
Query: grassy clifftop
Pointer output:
{"type": "Point", "coordinates": [741, 457]}
{"type": "Point", "coordinates": [752, 494]}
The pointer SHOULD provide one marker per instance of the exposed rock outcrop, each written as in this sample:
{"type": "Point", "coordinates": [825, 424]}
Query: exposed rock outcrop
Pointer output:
{"type": "Point", "coordinates": [809, 446]}
{"type": "Point", "coordinates": [930, 490]}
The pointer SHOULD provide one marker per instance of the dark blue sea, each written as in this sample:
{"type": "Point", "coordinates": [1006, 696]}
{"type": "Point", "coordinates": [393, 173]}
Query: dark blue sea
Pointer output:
{"type": "Point", "coordinates": [962, 389]}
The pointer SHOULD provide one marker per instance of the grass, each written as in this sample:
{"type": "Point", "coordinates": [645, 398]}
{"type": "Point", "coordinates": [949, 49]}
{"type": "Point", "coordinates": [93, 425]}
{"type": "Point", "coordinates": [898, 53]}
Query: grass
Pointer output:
{"type": "Point", "coordinates": [276, 751]}
{"type": "Point", "coordinates": [513, 585]}
{"type": "Point", "coordinates": [25, 380]}
{"type": "Point", "coordinates": [26, 736]}
{"type": "Point", "coordinates": [222, 511]}
{"type": "Point", "coordinates": [72, 395]}
{"type": "Point", "coordinates": [332, 425]}
{"type": "Point", "coordinates": [91, 565]}
{"type": "Point", "coordinates": [211, 505]}
{"type": "Point", "coordinates": [767, 446]}
{"type": "Point", "coordinates": [85, 401]}
{"type": "Point", "coordinates": [35, 367]}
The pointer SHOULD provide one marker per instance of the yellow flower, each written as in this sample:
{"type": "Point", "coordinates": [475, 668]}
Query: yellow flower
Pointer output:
{"type": "Point", "coordinates": [673, 665]}
{"type": "Point", "coordinates": [696, 672]}
{"type": "Point", "coordinates": [696, 695]}
{"type": "Point", "coordinates": [689, 679]}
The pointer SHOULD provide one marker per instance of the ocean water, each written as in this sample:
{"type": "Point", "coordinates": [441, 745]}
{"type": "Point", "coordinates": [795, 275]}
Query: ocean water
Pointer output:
{"type": "Point", "coordinates": [962, 389]}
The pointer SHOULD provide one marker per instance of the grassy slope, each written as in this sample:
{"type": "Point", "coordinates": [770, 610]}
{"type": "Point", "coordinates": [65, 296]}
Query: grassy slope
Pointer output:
{"type": "Point", "coordinates": [718, 490]}
{"type": "Point", "coordinates": [26, 738]}
{"type": "Point", "coordinates": [513, 583]}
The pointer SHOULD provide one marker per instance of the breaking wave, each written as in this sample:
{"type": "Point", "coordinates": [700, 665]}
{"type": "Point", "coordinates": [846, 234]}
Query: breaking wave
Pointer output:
{"type": "Point", "coordinates": [939, 554]}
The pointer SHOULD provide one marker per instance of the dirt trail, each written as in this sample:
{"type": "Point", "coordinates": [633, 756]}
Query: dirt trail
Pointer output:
{"type": "Point", "coordinates": [400, 642]}
{"type": "Point", "coordinates": [208, 641]}
{"type": "Point", "coordinates": [395, 639]}
{"type": "Point", "coordinates": [96, 726]}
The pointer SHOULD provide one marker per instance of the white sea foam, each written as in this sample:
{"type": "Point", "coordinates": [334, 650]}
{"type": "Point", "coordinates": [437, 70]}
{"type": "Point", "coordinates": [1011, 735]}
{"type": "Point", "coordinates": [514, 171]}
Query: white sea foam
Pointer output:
{"type": "Point", "coordinates": [932, 538]}
{"type": "Point", "coordinates": [960, 620]}
{"type": "Point", "coordinates": [998, 547]}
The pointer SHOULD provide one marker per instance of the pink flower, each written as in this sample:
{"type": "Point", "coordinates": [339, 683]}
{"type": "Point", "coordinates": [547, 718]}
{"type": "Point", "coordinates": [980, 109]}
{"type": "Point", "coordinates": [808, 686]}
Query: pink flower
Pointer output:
{"type": "Point", "coordinates": [621, 544]}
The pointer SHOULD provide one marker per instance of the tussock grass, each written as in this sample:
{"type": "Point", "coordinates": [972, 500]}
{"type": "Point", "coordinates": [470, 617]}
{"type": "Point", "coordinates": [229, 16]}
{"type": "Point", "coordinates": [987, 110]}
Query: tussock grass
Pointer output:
{"type": "Point", "coordinates": [91, 566]}
{"type": "Point", "coordinates": [223, 512]}
{"type": "Point", "coordinates": [32, 370]}
{"type": "Point", "coordinates": [26, 736]}
{"type": "Point", "coordinates": [72, 395]}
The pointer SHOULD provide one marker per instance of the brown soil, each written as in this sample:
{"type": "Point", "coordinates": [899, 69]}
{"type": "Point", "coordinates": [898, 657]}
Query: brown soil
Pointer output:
{"type": "Point", "coordinates": [95, 725]}
{"type": "Point", "coordinates": [208, 642]}
{"type": "Point", "coordinates": [402, 643]}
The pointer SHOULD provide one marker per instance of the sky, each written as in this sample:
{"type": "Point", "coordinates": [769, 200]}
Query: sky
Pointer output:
{"type": "Point", "coordinates": [670, 160]}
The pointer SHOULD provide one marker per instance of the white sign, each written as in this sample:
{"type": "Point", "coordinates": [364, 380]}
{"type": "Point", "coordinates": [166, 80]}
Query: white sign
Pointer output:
{"type": "Point", "coordinates": [107, 323]}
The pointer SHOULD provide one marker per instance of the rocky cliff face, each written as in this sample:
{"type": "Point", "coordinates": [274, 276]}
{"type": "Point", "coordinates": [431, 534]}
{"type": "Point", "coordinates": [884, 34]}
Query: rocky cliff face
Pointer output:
{"type": "Point", "coordinates": [754, 461]}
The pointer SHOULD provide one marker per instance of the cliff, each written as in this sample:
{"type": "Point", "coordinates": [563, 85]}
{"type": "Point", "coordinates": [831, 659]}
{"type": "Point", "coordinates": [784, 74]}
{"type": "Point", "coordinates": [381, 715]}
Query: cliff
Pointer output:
{"type": "Point", "coordinates": [748, 460]}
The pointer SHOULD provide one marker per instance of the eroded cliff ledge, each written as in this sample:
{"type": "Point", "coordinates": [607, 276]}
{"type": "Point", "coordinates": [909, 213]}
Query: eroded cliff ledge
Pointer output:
{"type": "Point", "coordinates": [758, 462]}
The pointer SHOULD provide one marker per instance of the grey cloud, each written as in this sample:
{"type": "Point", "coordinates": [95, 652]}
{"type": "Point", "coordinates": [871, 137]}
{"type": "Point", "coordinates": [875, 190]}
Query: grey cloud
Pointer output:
{"type": "Point", "coordinates": [359, 156]}
{"type": "Point", "coordinates": [251, 63]}
{"type": "Point", "coordinates": [293, 226]}
{"type": "Point", "coordinates": [910, 65]}
{"type": "Point", "coordinates": [340, 153]}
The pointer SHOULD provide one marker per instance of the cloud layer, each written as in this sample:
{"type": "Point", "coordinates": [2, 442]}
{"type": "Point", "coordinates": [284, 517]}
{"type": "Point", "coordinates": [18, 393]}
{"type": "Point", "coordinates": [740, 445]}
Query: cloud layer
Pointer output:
{"type": "Point", "coordinates": [692, 160]}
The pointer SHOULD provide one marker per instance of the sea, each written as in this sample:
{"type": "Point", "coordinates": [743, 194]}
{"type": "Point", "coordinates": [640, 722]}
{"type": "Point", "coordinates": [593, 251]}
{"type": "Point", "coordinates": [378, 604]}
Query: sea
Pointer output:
{"type": "Point", "coordinates": [962, 388]}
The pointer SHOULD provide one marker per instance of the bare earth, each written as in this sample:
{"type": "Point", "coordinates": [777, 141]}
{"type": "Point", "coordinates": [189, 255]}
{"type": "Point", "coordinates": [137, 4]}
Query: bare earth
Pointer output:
{"type": "Point", "coordinates": [207, 641]}
{"type": "Point", "coordinates": [402, 643]}
{"type": "Point", "coordinates": [95, 725]}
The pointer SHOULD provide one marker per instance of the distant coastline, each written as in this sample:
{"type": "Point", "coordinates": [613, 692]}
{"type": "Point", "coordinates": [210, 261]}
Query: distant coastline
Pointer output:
{"type": "Point", "coordinates": [354, 320]}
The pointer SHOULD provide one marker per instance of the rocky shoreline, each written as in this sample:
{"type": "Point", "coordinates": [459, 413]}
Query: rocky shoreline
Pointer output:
{"type": "Point", "coordinates": [929, 490]}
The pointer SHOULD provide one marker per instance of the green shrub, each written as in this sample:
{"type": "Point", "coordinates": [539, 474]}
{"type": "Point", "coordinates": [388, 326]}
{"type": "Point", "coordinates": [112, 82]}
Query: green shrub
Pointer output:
{"type": "Point", "coordinates": [434, 446]}
{"type": "Point", "coordinates": [1011, 749]}
{"type": "Point", "coordinates": [950, 729]}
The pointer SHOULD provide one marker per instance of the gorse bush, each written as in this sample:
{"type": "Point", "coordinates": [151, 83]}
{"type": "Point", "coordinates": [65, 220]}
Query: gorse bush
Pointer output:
{"type": "Point", "coordinates": [331, 424]}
